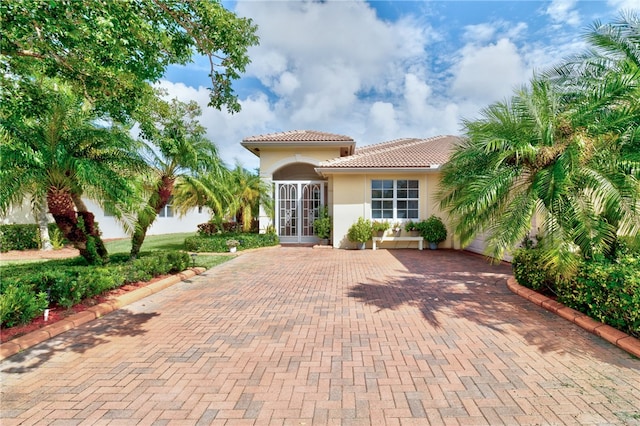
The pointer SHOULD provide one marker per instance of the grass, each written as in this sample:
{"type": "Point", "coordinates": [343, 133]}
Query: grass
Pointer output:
{"type": "Point", "coordinates": [151, 243]}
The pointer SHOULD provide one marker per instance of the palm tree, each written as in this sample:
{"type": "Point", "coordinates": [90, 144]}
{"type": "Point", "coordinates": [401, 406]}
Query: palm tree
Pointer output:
{"type": "Point", "coordinates": [556, 154]}
{"type": "Point", "coordinates": [248, 192]}
{"type": "Point", "coordinates": [178, 150]}
{"type": "Point", "coordinates": [63, 155]}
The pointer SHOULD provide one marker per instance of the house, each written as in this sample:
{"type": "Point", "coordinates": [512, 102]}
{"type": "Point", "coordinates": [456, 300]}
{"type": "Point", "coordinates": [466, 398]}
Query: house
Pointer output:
{"type": "Point", "coordinates": [167, 222]}
{"type": "Point", "coordinates": [394, 181]}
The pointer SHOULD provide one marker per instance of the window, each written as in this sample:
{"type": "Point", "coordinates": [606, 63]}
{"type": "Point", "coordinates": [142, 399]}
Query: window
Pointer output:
{"type": "Point", "coordinates": [167, 211]}
{"type": "Point", "coordinates": [394, 199]}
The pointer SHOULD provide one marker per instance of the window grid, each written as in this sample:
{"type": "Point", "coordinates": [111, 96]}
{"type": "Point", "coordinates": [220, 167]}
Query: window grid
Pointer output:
{"type": "Point", "coordinates": [394, 199]}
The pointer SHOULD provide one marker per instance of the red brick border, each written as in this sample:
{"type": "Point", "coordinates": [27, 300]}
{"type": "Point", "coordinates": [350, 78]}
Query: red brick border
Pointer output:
{"type": "Point", "coordinates": [608, 333]}
{"type": "Point", "coordinates": [21, 343]}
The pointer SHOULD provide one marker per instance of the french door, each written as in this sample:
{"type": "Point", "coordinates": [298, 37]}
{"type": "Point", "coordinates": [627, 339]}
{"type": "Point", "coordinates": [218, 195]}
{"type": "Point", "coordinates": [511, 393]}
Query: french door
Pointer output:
{"type": "Point", "coordinates": [298, 205]}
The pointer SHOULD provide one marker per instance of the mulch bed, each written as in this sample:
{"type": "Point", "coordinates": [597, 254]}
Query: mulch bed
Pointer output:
{"type": "Point", "coordinates": [58, 313]}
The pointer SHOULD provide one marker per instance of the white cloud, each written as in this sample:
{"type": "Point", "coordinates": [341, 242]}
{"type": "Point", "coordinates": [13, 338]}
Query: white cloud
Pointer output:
{"type": "Point", "coordinates": [336, 66]}
{"type": "Point", "coordinates": [625, 4]}
{"type": "Point", "coordinates": [488, 73]}
{"type": "Point", "coordinates": [563, 12]}
{"type": "Point", "coordinates": [382, 121]}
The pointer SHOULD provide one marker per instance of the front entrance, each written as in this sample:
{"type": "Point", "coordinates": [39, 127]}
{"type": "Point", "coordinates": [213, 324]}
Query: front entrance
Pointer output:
{"type": "Point", "coordinates": [297, 206]}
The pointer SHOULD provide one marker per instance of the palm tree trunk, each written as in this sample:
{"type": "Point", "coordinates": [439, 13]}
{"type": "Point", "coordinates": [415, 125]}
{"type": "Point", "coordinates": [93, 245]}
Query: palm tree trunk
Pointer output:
{"type": "Point", "coordinates": [146, 217]}
{"type": "Point", "coordinates": [40, 214]}
{"type": "Point", "coordinates": [91, 227]}
{"type": "Point", "coordinates": [62, 208]}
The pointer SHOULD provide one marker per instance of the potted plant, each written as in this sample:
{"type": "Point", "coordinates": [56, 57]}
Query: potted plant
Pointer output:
{"type": "Point", "coordinates": [433, 230]}
{"type": "Point", "coordinates": [322, 226]}
{"type": "Point", "coordinates": [379, 228]}
{"type": "Point", "coordinates": [411, 228]}
{"type": "Point", "coordinates": [232, 245]}
{"type": "Point", "coordinates": [360, 232]}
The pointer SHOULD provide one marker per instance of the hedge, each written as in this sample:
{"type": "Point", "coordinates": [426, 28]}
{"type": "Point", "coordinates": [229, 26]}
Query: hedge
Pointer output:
{"type": "Point", "coordinates": [24, 287]}
{"type": "Point", "coordinates": [22, 237]}
{"type": "Point", "coordinates": [218, 243]}
{"type": "Point", "coordinates": [608, 291]}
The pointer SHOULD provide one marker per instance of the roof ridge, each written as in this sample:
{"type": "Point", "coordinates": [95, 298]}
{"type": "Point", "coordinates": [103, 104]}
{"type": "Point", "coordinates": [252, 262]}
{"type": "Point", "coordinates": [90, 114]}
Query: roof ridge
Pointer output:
{"type": "Point", "coordinates": [286, 133]}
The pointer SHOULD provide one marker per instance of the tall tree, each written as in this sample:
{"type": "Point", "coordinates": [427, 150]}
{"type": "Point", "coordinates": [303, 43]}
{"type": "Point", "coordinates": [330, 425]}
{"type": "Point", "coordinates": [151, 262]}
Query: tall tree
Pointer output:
{"type": "Point", "coordinates": [247, 191]}
{"type": "Point", "coordinates": [63, 155]}
{"type": "Point", "coordinates": [177, 148]}
{"type": "Point", "coordinates": [562, 150]}
{"type": "Point", "coordinates": [111, 50]}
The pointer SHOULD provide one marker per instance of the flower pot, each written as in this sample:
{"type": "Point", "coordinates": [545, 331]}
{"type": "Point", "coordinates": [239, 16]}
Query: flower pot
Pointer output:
{"type": "Point", "coordinates": [232, 249]}
{"type": "Point", "coordinates": [324, 241]}
{"type": "Point", "coordinates": [433, 246]}
{"type": "Point", "coordinates": [362, 246]}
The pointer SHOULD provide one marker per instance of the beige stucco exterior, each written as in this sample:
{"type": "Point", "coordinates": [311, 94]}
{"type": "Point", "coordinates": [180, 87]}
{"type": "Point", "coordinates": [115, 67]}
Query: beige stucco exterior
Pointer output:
{"type": "Point", "coordinates": [351, 199]}
{"type": "Point", "coordinates": [348, 194]}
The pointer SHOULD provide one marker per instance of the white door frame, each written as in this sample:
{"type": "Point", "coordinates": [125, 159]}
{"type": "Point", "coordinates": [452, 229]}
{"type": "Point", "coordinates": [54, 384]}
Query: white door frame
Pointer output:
{"type": "Point", "coordinates": [296, 209]}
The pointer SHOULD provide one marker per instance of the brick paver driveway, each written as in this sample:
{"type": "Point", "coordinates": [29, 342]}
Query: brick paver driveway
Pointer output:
{"type": "Point", "coordinates": [303, 336]}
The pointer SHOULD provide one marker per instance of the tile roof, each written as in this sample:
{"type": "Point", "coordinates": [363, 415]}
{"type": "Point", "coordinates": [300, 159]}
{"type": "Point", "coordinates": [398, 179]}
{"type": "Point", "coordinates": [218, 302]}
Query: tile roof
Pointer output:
{"type": "Point", "coordinates": [299, 136]}
{"type": "Point", "coordinates": [399, 153]}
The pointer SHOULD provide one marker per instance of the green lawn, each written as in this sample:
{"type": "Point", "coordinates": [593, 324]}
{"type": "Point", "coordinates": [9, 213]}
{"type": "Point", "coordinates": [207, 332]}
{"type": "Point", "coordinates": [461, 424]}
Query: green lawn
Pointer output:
{"type": "Point", "coordinates": [151, 242]}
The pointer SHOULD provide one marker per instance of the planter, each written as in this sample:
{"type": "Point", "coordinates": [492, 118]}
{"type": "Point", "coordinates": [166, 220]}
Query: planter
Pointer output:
{"type": "Point", "coordinates": [324, 241]}
{"type": "Point", "coordinates": [433, 246]}
{"type": "Point", "coordinates": [232, 249]}
{"type": "Point", "coordinates": [362, 246]}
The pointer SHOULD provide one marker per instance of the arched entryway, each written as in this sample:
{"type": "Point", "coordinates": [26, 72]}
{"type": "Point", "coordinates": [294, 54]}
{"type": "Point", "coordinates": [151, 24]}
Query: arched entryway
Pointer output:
{"type": "Point", "coordinates": [299, 196]}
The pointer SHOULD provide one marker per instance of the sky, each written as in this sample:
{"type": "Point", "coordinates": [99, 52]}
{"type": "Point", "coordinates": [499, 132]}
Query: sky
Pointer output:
{"type": "Point", "coordinates": [382, 70]}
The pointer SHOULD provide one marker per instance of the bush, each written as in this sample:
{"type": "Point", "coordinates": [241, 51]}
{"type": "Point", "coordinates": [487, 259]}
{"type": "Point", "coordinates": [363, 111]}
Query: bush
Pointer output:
{"type": "Point", "coordinates": [26, 237]}
{"type": "Point", "coordinates": [212, 228]}
{"type": "Point", "coordinates": [361, 231]}
{"type": "Point", "coordinates": [322, 225]}
{"type": "Point", "coordinates": [20, 304]}
{"type": "Point", "coordinates": [530, 271]}
{"type": "Point", "coordinates": [432, 230]}
{"type": "Point", "coordinates": [218, 243]}
{"type": "Point", "coordinates": [607, 291]}
{"type": "Point", "coordinates": [69, 281]}
{"type": "Point", "coordinates": [19, 237]}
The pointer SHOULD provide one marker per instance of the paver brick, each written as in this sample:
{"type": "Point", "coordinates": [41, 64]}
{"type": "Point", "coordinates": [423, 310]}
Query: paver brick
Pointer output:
{"type": "Point", "coordinates": [303, 336]}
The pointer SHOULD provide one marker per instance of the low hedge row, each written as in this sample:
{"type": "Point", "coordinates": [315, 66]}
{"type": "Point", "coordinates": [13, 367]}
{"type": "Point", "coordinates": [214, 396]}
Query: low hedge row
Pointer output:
{"type": "Point", "coordinates": [602, 289]}
{"type": "Point", "coordinates": [26, 290]}
{"type": "Point", "coordinates": [217, 243]}
{"type": "Point", "coordinates": [22, 237]}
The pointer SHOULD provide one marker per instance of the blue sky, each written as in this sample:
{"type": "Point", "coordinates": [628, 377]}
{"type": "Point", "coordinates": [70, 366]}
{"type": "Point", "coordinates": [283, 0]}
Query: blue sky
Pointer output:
{"type": "Point", "coordinates": [381, 70]}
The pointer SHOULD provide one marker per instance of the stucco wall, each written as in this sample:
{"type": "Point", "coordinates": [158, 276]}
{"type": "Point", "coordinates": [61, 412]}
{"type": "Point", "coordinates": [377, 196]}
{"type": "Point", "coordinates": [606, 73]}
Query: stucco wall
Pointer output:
{"type": "Point", "coordinates": [113, 229]}
{"type": "Point", "coordinates": [351, 198]}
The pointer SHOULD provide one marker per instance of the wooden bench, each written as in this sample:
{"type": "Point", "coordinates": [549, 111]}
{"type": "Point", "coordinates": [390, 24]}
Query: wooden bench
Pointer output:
{"type": "Point", "coordinates": [420, 240]}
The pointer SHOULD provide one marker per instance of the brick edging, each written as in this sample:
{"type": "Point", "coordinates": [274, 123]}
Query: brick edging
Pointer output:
{"type": "Point", "coordinates": [608, 333]}
{"type": "Point", "coordinates": [21, 343]}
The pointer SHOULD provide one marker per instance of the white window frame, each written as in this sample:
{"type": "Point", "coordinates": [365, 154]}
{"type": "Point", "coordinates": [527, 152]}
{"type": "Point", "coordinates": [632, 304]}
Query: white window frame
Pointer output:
{"type": "Point", "coordinates": [390, 203]}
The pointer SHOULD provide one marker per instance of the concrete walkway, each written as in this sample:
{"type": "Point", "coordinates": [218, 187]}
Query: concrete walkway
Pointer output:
{"type": "Point", "coordinates": [311, 337]}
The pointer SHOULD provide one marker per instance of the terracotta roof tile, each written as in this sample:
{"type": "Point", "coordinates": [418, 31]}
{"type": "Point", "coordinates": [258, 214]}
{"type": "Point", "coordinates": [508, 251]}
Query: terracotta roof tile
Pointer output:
{"type": "Point", "coordinates": [298, 136]}
{"type": "Point", "coordinates": [399, 153]}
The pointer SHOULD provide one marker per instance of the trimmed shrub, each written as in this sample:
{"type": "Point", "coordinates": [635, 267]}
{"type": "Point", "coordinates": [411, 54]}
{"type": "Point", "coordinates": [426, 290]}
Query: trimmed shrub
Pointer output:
{"type": "Point", "coordinates": [19, 304]}
{"type": "Point", "coordinates": [530, 271]}
{"type": "Point", "coordinates": [608, 292]}
{"type": "Point", "coordinates": [70, 281]}
{"type": "Point", "coordinates": [218, 243]}
{"type": "Point", "coordinates": [27, 237]}
{"type": "Point", "coordinates": [19, 237]}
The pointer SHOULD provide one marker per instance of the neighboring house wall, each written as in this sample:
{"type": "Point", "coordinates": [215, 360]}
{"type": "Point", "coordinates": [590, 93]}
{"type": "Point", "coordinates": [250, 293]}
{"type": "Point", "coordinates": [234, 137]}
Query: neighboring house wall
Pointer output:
{"type": "Point", "coordinates": [111, 228]}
